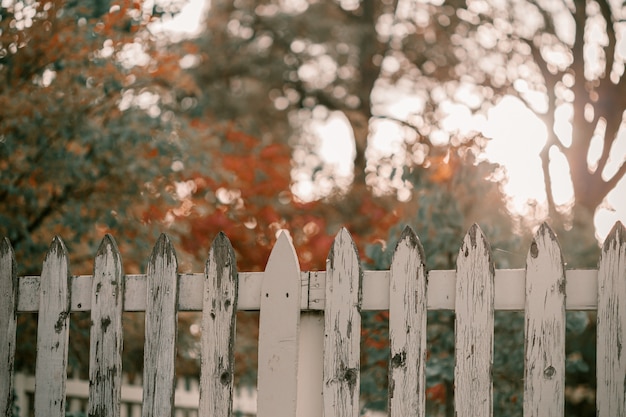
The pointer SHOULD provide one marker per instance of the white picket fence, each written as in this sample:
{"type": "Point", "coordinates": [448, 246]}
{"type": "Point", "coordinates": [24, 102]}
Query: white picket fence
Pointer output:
{"type": "Point", "coordinates": [310, 325]}
{"type": "Point", "coordinates": [186, 397]}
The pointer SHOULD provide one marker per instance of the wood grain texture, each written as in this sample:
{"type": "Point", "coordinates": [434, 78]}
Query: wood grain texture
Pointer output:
{"type": "Point", "coordinates": [106, 337]}
{"type": "Point", "coordinates": [407, 328]}
{"type": "Point", "coordinates": [218, 330]}
{"type": "Point", "coordinates": [342, 329]}
{"type": "Point", "coordinates": [544, 373]}
{"type": "Point", "coordinates": [581, 287]}
{"type": "Point", "coordinates": [8, 326]}
{"type": "Point", "coordinates": [474, 327]}
{"type": "Point", "coordinates": [611, 330]}
{"type": "Point", "coordinates": [279, 326]}
{"type": "Point", "coordinates": [53, 333]}
{"type": "Point", "coordinates": [161, 331]}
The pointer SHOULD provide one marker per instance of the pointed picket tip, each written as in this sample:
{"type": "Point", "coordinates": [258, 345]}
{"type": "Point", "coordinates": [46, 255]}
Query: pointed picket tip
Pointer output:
{"type": "Point", "coordinates": [221, 241]}
{"type": "Point", "coordinates": [107, 245]}
{"type": "Point", "coordinates": [222, 249]}
{"type": "Point", "coordinates": [543, 237]}
{"type": "Point", "coordinates": [57, 248]}
{"type": "Point", "coordinates": [546, 230]}
{"type": "Point", "coordinates": [412, 241]}
{"type": "Point", "coordinates": [475, 234]}
{"type": "Point", "coordinates": [615, 238]}
{"type": "Point", "coordinates": [343, 240]}
{"type": "Point", "coordinates": [473, 239]}
{"type": "Point", "coordinates": [107, 252]}
{"type": "Point", "coordinates": [6, 248]}
{"type": "Point", "coordinates": [284, 244]}
{"type": "Point", "coordinates": [163, 248]}
{"type": "Point", "coordinates": [283, 261]}
{"type": "Point", "coordinates": [8, 254]}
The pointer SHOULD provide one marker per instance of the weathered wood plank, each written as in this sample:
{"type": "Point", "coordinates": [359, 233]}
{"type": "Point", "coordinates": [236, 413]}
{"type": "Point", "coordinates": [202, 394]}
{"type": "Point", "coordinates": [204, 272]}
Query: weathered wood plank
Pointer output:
{"type": "Point", "coordinates": [611, 330]}
{"type": "Point", "coordinates": [581, 288]}
{"type": "Point", "coordinates": [474, 327]}
{"type": "Point", "coordinates": [218, 330]}
{"type": "Point", "coordinates": [279, 325]}
{"type": "Point", "coordinates": [544, 375]}
{"type": "Point", "coordinates": [53, 333]}
{"type": "Point", "coordinates": [8, 326]}
{"type": "Point", "coordinates": [161, 331]}
{"type": "Point", "coordinates": [407, 328]}
{"type": "Point", "coordinates": [106, 337]}
{"type": "Point", "coordinates": [342, 329]}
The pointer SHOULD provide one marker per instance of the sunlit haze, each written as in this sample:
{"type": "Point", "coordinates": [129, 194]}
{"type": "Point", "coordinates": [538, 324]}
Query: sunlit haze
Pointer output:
{"type": "Point", "coordinates": [516, 137]}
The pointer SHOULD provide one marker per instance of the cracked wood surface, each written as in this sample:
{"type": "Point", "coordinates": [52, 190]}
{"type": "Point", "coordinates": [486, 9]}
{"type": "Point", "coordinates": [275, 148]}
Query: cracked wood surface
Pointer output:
{"type": "Point", "coordinates": [544, 360]}
{"type": "Point", "coordinates": [474, 327]}
{"type": "Point", "coordinates": [53, 333]}
{"type": "Point", "coordinates": [342, 329]}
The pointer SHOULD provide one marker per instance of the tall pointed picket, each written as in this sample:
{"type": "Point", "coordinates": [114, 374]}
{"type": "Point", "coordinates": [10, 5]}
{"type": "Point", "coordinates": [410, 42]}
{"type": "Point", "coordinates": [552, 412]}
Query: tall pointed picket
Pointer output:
{"type": "Point", "coordinates": [474, 327]}
{"type": "Point", "coordinates": [106, 340]}
{"type": "Point", "coordinates": [342, 328]}
{"type": "Point", "coordinates": [8, 309]}
{"type": "Point", "coordinates": [407, 328]}
{"type": "Point", "coordinates": [218, 330]}
{"type": "Point", "coordinates": [161, 331]}
{"type": "Point", "coordinates": [611, 331]}
{"type": "Point", "coordinates": [544, 376]}
{"type": "Point", "coordinates": [279, 324]}
{"type": "Point", "coordinates": [53, 332]}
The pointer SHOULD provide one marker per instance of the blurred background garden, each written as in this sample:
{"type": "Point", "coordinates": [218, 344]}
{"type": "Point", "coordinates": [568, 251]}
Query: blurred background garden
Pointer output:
{"type": "Point", "coordinates": [194, 117]}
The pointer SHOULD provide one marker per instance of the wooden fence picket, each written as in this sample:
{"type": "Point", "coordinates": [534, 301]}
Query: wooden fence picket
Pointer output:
{"type": "Point", "coordinates": [474, 308]}
{"type": "Point", "coordinates": [611, 330]}
{"type": "Point", "coordinates": [106, 338]}
{"type": "Point", "coordinates": [161, 331]}
{"type": "Point", "coordinates": [8, 326]}
{"type": "Point", "coordinates": [342, 328]}
{"type": "Point", "coordinates": [53, 332]}
{"type": "Point", "coordinates": [310, 328]}
{"type": "Point", "coordinates": [279, 327]}
{"type": "Point", "coordinates": [218, 330]}
{"type": "Point", "coordinates": [544, 374]}
{"type": "Point", "coordinates": [407, 328]}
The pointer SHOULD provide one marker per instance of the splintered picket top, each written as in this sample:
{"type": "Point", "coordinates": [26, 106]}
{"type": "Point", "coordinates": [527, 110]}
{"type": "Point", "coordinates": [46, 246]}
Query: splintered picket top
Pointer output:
{"type": "Point", "coordinates": [474, 327]}
{"type": "Point", "coordinates": [342, 329]}
{"type": "Point", "coordinates": [544, 375]}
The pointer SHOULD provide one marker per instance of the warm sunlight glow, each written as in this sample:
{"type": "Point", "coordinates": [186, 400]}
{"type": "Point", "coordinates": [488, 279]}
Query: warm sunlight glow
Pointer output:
{"type": "Point", "coordinates": [517, 137]}
{"type": "Point", "coordinates": [337, 144]}
{"type": "Point", "coordinates": [186, 23]}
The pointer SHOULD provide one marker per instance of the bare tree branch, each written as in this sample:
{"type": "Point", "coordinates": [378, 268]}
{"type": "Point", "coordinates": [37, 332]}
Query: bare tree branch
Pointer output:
{"type": "Point", "coordinates": [424, 139]}
{"type": "Point", "coordinates": [609, 52]}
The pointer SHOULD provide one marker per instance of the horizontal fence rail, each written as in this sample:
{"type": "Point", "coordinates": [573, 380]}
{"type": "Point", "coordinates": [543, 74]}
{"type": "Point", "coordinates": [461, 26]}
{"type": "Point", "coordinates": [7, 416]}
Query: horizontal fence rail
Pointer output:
{"type": "Point", "coordinates": [309, 362]}
{"type": "Point", "coordinates": [581, 288]}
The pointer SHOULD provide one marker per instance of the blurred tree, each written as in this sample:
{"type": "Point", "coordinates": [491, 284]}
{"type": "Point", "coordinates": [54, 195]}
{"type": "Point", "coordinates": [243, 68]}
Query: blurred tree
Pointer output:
{"type": "Point", "coordinates": [88, 132]}
{"type": "Point", "coordinates": [89, 139]}
{"type": "Point", "coordinates": [565, 61]}
{"type": "Point", "coordinates": [291, 63]}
